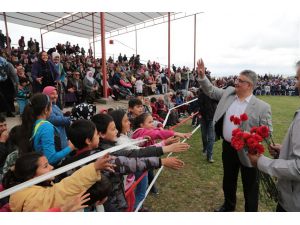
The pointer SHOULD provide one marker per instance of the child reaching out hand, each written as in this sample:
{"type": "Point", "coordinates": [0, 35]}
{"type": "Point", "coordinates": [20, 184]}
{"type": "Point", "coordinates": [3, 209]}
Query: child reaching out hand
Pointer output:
{"type": "Point", "coordinates": [143, 126]}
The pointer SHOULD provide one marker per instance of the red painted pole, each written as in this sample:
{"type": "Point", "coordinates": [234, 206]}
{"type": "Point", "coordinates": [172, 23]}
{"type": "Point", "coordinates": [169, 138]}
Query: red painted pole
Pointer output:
{"type": "Point", "coordinates": [103, 54]}
{"type": "Point", "coordinates": [195, 33]}
{"type": "Point", "coordinates": [7, 36]}
{"type": "Point", "coordinates": [94, 35]}
{"type": "Point", "coordinates": [169, 45]}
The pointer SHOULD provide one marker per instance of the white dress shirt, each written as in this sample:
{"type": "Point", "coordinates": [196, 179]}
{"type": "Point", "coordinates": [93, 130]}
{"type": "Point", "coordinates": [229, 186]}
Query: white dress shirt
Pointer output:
{"type": "Point", "coordinates": [236, 108]}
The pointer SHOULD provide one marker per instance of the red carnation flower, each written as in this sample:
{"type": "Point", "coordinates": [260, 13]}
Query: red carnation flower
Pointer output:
{"type": "Point", "coordinates": [246, 135]}
{"type": "Point", "coordinates": [263, 131]}
{"type": "Point", "coordinates": [239, 134]}
{"type": "Point", "coordinates": [260, 149]}
{"type": "Point", "coordinates": [244, 117]}
{"type": "Point", "coordinates": [231, 118]}
{"type": "Point", "coordinates": [253, 130]}
{"type": "Point", "coordinates": [251, 143]}
{"type": "Point", "coordinates": [237, 144]}
{"type": "Point", "coordinates": [257, 137]}
{"type": "Point", "coordinates": [235, 131]}
{"type": "Point", "coordinates": [236, 121]}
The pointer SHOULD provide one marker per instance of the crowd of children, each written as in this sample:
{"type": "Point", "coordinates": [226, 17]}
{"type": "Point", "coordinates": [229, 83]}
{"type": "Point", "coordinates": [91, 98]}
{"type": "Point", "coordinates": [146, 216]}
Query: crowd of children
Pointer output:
{"type": "Point", "coordinates": [48, 139]}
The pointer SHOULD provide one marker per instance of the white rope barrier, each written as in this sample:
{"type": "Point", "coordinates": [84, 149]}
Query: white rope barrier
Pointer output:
{"type": "Point", "coordinates": [175, 107]}
{"type": "Point", "coordinates": [158, 173]}
{"type": "Point", "coordinates": [64, 169]}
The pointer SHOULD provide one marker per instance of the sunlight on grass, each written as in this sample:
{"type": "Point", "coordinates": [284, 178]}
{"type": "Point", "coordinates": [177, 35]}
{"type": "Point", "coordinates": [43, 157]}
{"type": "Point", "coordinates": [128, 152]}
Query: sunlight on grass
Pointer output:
{"type": "Point", "coordinates": [198, 187]}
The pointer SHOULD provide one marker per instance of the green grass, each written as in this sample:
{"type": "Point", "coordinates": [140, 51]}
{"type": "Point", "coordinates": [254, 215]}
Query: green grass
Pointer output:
{"type": "Point", "coordinates": [198, 187]}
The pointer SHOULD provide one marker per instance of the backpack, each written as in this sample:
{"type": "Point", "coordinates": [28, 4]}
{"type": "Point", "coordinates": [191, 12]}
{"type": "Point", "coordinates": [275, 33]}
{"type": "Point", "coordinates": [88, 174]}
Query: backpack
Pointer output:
{"type": "Point", "coordinates": [3, 69]}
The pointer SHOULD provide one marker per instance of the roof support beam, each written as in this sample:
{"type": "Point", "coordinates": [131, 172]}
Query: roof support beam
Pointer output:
{"type": "Point", "coordinates": [63, 21]}
{"type": "Point", "coordinates": [7, 35]}
{"type": "Point", "coordinates": [141, 26]}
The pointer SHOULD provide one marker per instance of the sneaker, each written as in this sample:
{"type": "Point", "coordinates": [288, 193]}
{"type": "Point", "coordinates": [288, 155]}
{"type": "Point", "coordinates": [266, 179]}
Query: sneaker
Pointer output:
{"type": "Point", "coordinates": [204, 153]}
{"type": "Point", "coordinates": [154, 190]}
{"type": "Point", "coordinates": [211, 161]}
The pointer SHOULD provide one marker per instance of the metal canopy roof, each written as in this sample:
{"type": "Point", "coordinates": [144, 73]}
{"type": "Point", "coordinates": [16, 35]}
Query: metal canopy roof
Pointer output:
{"type": "Point", "coordinates": [80, 24]}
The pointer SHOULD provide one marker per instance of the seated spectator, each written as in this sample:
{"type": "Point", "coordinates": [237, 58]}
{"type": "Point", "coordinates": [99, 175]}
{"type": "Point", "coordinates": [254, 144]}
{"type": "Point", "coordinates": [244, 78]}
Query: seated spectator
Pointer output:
{"type": "Point", "coordinates": [153, 104]}
{"type": "Point", "coordinates": [57, 117]}
{"type": "Point", "coordinates": [91, 86]}
{"type": "Point", "coordinates": [39, 134]}
{"type": "Point", "coordinates": [162, 109]}
{"type": "Point", "coordinates": [74, 89]}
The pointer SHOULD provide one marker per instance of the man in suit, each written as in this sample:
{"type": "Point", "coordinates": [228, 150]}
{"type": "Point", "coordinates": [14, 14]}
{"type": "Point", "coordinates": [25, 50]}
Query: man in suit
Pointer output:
{"type": "Point", "coordinates": [286, 164]}
{"type": "Point", "coordinates": [236, 101]}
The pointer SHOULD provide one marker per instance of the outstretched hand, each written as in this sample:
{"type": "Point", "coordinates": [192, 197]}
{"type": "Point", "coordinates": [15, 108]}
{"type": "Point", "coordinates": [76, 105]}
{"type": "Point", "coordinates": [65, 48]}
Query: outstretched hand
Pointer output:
{"type": "Point", "coordinates": [173, 163]}
{"type": "Point", "coordinates": [172, 140]}
{"type": "Point", "coordinates": [201, 68]}
{"type": "Point", "coordinates": [103, 163]}
{"type": "Point", "coordinates": [76, 203]}
{"type": "Point", "coordinates": [176, 147]}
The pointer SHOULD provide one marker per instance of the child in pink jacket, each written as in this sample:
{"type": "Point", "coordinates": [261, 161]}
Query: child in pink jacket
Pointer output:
{"type": "Point", "coordinates": [143, 127]}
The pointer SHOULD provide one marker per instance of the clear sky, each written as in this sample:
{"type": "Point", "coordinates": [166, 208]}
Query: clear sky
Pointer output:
{"type": "Point", "coordinates": [231, 35]}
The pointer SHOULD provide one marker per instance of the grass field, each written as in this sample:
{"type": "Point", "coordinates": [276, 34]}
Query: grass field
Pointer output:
{"type": "Point", "coordinates": [198, 187]}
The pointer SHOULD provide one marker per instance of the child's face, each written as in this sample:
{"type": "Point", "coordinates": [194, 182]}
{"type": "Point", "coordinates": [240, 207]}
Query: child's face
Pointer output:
{"type": "Point", "coordinates": [23, 84]}
{"type": "Point", "coordinates": [43, 167]}
{"type": "Point", "coordinates": [111, 132]}
{"type": "Point", "coordinates": [148, 123]}
{"type": "Point", "coordinates": [125, 124]}
{"type": "Point", "coordinates": [94, 142]}
{"type": "Point", "coordinates": [137, 110]}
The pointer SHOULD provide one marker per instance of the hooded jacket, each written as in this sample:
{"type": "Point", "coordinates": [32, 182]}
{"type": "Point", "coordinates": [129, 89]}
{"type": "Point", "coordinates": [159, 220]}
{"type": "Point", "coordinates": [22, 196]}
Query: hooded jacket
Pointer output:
{"type": "Point", "coordinates": [39, 198]}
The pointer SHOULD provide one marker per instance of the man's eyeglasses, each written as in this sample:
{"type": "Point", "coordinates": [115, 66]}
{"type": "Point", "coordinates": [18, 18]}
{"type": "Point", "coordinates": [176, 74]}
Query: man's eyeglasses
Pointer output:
{"type": "Point", "coordinates": [242, 81]}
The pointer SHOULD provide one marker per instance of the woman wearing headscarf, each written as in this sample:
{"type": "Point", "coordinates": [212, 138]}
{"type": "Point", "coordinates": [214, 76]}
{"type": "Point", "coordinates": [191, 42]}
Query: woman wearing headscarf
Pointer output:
{"type": "Point", "coordinates": [62, 80]}
{"type": "Point", "coordinates": [91, 86]}
{"type": "Point", "coordinates": [43, 73]}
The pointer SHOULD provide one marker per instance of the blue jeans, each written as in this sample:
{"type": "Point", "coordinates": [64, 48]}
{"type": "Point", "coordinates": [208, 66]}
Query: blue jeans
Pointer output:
{"type": "Point", "coordinates": [141, 188]}
{"type": "Point", "coordinates": [208, 137]}
{"type": "Point", "coordinates": [22, 103]}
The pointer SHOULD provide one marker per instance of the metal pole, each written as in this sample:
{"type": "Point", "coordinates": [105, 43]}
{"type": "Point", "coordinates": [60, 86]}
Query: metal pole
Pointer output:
{"type": "Point", "coordinates": [7, 36]}
{"type": "Point", "coordinates": [169, 46]}
{"type": "Point", "coordinates": [94, 36]}
{"type": "Point", "coordinates": [42, 42]}
{"type": "Point", "coordinates": [195, 33]}
{"type": "Point", "coordinates": [103, 53]}
{"type": "Point", "coordinates": [135, 42]}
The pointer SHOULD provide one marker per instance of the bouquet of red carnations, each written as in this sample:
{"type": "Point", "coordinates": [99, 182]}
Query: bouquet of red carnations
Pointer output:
{"type": "Point", "coordinates": [251, 142]}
